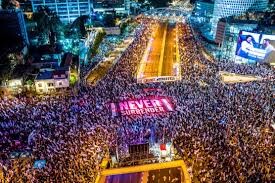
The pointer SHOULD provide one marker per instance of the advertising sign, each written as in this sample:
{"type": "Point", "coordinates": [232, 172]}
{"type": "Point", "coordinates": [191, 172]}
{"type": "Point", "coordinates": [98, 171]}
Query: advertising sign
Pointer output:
{"type": "Point", "coordinates": [256, 47]}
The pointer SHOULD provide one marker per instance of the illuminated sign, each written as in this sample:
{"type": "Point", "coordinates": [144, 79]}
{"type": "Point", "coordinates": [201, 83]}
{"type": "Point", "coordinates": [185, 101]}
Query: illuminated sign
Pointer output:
{"type": "Point", "coordinates": [141, 106]}
{"type": "Point", "coordinates": [255, 46]}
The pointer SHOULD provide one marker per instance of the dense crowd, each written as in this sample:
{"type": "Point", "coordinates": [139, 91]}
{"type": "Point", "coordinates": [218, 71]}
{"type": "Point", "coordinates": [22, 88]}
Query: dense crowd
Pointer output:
{"type": "Point", "coordinates": [107, 45]}
{"type": "Point", "coordinates": [227, 135]}
{"type": "Point", "coordinates": [221, 131]}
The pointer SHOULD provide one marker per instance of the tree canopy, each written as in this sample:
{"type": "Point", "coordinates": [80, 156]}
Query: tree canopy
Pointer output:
{"type": "Point", "coordinates": [48, 22]}
{"type": "Point", "coordinates": [10, 4]}
{"type": "Point", "coordinates": [79, 25]}
{"type": "Point", "coordinates": [159, 3]}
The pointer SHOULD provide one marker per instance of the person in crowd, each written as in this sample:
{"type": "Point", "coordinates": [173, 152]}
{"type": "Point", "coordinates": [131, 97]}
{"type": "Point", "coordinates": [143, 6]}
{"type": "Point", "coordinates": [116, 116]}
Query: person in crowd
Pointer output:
{"type": "Point", "coordinates": [221, 131]}
{"type": "Point", "coordinates": [269, 48]}
{"type": "Point", "coordinates": [246, 47]}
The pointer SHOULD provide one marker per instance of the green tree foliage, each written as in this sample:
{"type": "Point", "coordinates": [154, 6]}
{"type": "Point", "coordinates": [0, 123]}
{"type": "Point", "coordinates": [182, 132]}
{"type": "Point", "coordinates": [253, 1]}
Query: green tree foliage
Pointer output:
{"type": "Point", "coordinates": [9, 4]}
{"type": "Point", "coordinates": [4, 72]}
{"type": "Point", "coordinates": [141, 1]}
{"type": "Point", "coordinates": [5, 68]}
{"type": "Point", "coordinates": [78, 25]}
{"type": "Point", "coordinates": [48, 23]}
{"type": "Point", "coordinates": [159, 3]}
{"type": "Point", "coordinates": [98, 40]}
{"type": "Point", "coordinates": [109, 20]}
{"type": "Point", "coordinates": [123, 27]}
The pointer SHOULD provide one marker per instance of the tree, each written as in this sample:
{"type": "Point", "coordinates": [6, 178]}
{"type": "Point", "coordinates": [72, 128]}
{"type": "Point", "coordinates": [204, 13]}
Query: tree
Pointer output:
{"type": "Point", "coordinates": [48, 23]}
{"type": "Point", "coordinates": [93, 51]}
{"type": "Point", "coordinates": [159, 3]}
{"type": "Point", "coordinates": [79, 25]}
{"type": "Point", "coordinates": [123, 27]}
{"type": "Point", "coordinates": [10, 4]}
{"type": "Point", "coordinates": [4, 73]}
{"type": "Point", "coordinates": [141, 1]}
{"type": "Point", "coordinates": [109, 20]}
{"type": "Point", "coordinates": [5, 69]}
{"type": "Point", "coordinates": [192, 1]}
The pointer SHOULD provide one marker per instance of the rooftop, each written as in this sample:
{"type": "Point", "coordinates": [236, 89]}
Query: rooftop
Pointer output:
{"type": "Point", "coordinates": [67, 60]}
{"type": "Point", "coordinates": [44, 75]}
{"type": "Point", "coordinates": [46, 61]}
{"type": "Point", "coordinates": [59, 74]}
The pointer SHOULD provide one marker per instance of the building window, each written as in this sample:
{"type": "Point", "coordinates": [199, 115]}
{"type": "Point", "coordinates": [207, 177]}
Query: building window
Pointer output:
{"type": "Point", "coordinates": [60, 83]}
{"type": "Point", "coordinates": [50, 84]}
{"type": "Point", "coordinates": [40, 85]}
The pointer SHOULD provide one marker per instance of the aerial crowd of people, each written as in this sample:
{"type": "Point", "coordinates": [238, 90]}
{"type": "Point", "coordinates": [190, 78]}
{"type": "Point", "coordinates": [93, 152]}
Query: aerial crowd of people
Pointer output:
{"type": "Point", "coordinates": [222, 131]}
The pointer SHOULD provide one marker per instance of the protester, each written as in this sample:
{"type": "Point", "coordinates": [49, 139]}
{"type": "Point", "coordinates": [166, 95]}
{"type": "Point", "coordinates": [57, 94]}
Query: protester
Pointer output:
{"type": "Point", "coordinates": [220, 130]}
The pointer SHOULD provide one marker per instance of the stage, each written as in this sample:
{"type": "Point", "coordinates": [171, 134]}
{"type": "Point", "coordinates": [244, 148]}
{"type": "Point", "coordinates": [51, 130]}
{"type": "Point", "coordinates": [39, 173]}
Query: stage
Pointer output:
{"type": "Point", "coordinates": [175, 171]}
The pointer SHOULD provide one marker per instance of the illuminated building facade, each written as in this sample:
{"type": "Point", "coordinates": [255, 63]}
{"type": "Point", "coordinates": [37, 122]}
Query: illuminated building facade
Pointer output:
{"type": "Point", "coordinates": [226, 8]}
{"type": "Point", "coordinates": [13, 32]}
{"type": "Point", "coordinates": [67, 10]}
{"type": "Point", "coordinates": [204, 8]}
{"type": "Point", "coordinates": [119, 6]}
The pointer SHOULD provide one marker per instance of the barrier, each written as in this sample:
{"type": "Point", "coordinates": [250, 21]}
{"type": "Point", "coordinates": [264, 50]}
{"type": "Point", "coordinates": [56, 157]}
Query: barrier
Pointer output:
{"type": "Point", "coordinates": [159, 79]}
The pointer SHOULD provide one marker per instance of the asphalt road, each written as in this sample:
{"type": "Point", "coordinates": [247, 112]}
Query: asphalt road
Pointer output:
{"type": "Point", "coordinates": [169, 51]}
{"type": "Point", "coordinates": [98, 73]}
{"type": "Point", "coordinates": [152, 65]}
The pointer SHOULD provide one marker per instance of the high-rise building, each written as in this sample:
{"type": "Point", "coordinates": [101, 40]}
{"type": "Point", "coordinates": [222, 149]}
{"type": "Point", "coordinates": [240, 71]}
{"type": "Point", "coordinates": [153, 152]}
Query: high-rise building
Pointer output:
{"type": "Point", "coordinates": [119, 6]}
{"type": "Point", "coordinates": [226, 8]}
{"type": "Point", "coordinates": [67, 10]}
{"type": "Point", "coordinates": [13, 33]}
{"type": "Point", "coordinates": [271, 6]}
{"type": "Point", "coordinates": [204, 8]}
{"type": "Point", "coordinates": [108, 3]}
{"type": "Point", "coordinates": [25, 5]}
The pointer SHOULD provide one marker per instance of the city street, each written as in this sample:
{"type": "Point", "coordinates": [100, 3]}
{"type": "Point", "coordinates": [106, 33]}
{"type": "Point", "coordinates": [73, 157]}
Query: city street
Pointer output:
{"type": "Point", "coordinates": [151, 106]}
{"type": "Point", "coordinates": [103, 67]}
{"type": "Point", "coordinates": [160, 57]}
{"type": "Point", "coordinates": [153, 60]}
{"type": "Point", "coordinates": [169, 57]}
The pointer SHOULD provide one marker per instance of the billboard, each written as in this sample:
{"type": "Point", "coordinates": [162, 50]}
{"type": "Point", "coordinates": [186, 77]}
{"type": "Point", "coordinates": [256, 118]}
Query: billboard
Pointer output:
{"type": "Point", "coordinates": [150, 105]}
{"type": "Point", "coordinates": [256, 47]}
